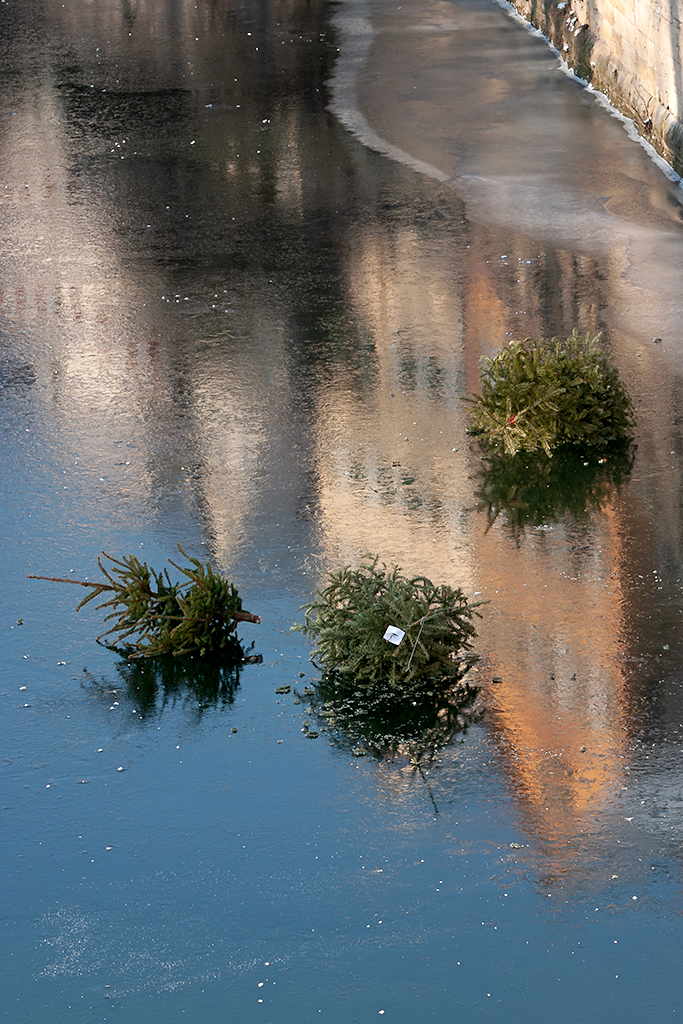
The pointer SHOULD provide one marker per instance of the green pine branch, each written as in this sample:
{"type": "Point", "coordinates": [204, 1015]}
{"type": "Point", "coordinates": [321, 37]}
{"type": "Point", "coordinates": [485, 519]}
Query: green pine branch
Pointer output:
{"type": "Point", "coordinates": [150, 615]}
{"type": "Point", "coordinates": [537, 396]}
{"type": "Point", "coordinates": [348, 618]}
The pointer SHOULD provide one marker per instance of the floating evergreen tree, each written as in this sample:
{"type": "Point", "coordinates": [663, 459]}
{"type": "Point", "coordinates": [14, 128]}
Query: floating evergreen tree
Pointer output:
{"type": "Point", "coordinates": [355, 618]}
{"type": "Point", "coordinates": [538, 396]}
{"type": "Point", "coordinates": [153, 615]}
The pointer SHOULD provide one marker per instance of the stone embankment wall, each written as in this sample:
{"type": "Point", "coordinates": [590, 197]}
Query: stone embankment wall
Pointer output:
{"type": "Point", "coordinates": [628, 49]}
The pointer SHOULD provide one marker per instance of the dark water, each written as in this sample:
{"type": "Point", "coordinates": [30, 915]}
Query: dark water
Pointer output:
{"type": "Point", "coordinates": [226, 321]}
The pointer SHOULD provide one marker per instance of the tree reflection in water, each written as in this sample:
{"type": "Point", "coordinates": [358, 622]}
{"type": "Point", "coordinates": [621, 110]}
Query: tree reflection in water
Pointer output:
{"type": "Point", "coordinates": [530, 489]}
{"type": "Point", "coordinates": [153, 684]}
{"type": "Point", "coordinates": [390, 722]}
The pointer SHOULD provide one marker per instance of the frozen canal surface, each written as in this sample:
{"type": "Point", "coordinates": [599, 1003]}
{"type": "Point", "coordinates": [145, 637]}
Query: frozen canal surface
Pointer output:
{"type": "Point", "coordinates": [234, 318]}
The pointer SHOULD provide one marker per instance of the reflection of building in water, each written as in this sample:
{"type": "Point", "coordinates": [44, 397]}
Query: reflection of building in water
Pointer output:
{"type": "Point", "coordinates": [390, 458]}
{"type": "Point", "coordinates": [64, 291]}
{"type": "Point", "coordinates": [553, 635]}
{"type": "Point", "coordinates": [126, 245]}
{"type": "Point", "coordinates": [283, 325]}
{"type": "Point", "coordinates": [553, 626]}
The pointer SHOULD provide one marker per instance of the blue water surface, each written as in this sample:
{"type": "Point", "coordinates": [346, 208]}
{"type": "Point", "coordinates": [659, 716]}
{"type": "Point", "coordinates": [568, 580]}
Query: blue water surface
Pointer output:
{"type": "Point", "coordinates": [226, 322]}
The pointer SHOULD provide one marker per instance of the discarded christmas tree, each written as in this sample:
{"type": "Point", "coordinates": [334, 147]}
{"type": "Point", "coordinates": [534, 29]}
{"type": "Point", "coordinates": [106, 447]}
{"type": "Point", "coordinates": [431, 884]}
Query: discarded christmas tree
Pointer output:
{"type": "Point", "coordinates": [355, 617]}
{"type": "Point", "coordinates": [539, 396]}
{"type": "Point", "coordinates": [153, 615]}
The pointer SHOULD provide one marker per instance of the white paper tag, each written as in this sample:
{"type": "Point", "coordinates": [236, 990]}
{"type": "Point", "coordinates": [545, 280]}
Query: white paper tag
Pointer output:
{"type": "Point", "coordinates": [394, 635]}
